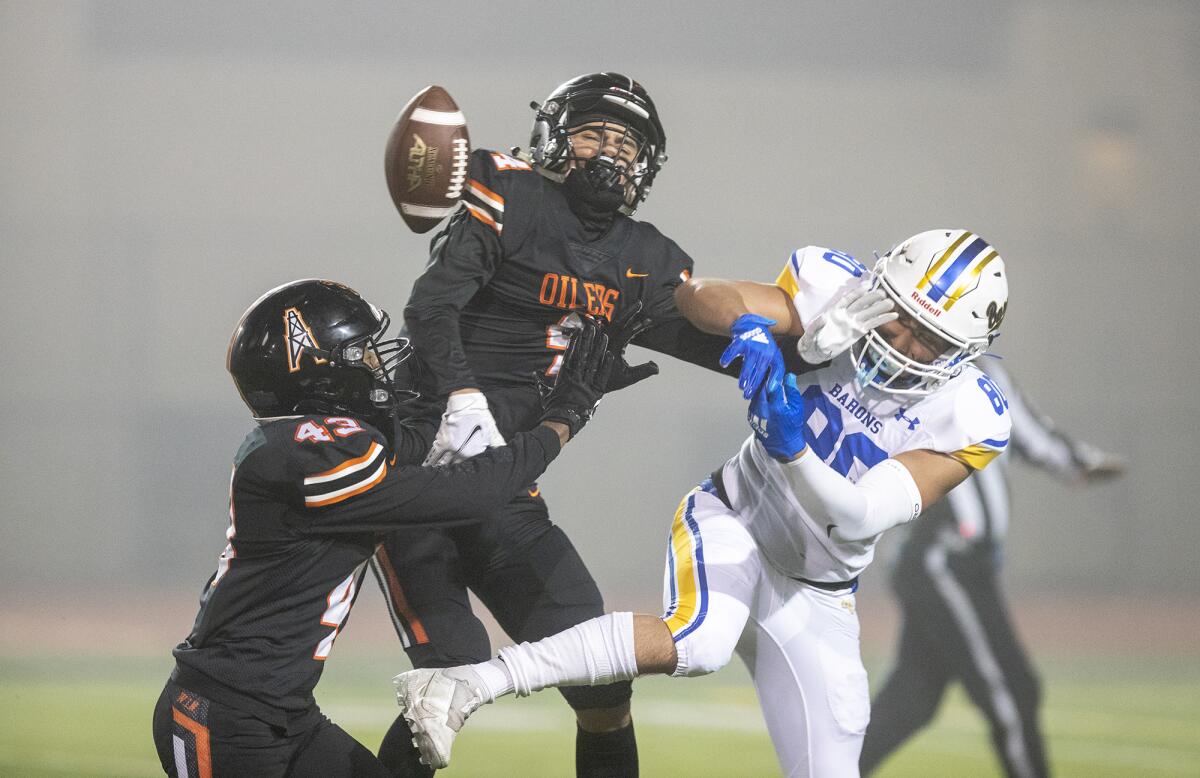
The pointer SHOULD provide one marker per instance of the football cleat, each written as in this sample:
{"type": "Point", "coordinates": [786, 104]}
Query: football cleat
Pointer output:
{"type": "Point", "coordinates": [435, 706]}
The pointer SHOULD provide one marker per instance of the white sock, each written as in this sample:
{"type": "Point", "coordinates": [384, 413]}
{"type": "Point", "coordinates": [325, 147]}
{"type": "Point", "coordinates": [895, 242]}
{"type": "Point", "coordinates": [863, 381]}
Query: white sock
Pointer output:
{"type": "Point", "coordinates": [596, 652]}
{"type": "Point", "coordinates": [491, 678]}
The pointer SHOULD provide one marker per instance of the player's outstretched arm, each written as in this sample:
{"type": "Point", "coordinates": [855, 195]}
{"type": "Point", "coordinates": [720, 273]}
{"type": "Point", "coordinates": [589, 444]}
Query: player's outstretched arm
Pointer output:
{"type": "Point", "coordinates": [389, 495]}
{"type": "Point", "coordinates": [714, 304]}
{"type": "Point", "coordinates": [463, 257]}
{"type": "Point", "coordinates": [749, 312]}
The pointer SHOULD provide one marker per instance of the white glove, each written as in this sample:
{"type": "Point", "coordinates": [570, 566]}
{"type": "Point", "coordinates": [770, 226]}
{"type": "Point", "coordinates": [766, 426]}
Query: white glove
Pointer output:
{"type": "Point", "coordinates": [857, 312]}
{"type": "Point", "coordinates": [467, 429]}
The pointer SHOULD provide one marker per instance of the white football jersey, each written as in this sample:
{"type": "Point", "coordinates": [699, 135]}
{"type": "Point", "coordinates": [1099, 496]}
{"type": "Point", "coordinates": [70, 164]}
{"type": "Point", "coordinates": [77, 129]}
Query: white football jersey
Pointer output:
{"type": "Point", "coordinates": [852, 429]}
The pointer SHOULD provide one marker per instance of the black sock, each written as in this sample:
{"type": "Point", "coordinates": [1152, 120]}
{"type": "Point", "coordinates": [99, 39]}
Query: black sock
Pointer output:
{"type": "Point", "coordinates": [606, 754]}
{"type": "Point", "coordinates": [399, 755]}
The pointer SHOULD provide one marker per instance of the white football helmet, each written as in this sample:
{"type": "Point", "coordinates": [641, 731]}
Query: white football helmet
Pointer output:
{"type": "Point", "coordinates": [954, 284]}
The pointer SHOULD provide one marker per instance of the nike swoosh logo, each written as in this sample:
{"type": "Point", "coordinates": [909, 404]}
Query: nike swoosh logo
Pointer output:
{"type": "Point", "coordinates": [630, 274]}
{"type": "Point", "coordinates": [829, 529]}
{"type": "Point", "coordinates": [478, 429]}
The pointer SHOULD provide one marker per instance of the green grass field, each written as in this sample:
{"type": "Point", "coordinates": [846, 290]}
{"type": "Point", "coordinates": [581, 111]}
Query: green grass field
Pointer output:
{"type": "Point", "coordinates": [62, 717]}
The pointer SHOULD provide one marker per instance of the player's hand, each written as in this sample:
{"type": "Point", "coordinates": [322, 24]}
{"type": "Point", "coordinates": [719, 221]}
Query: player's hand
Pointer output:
{"type": "Point", "coordinates": [1095, 465]}
{"type": "Point", "coordinates": [777, 419]}
{"type": "Point", "coordinates": [762, 362]}
{"type": "Point", "coordinates": [859, 311]}
{"type": "Point", "coordinates": [585, 371]}
{"type": "Point", "coordinates": [467, 429]}
{"type": "Point", "coordinates": [619, 336]}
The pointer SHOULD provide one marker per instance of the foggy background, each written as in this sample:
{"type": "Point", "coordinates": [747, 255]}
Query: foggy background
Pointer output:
{"type": "Point", "coordinates": [162, 164]}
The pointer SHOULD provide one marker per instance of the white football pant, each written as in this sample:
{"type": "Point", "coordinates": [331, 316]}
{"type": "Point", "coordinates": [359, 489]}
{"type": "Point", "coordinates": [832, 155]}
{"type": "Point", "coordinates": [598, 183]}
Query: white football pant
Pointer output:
{"type": "Point", "coordinates": [799, 642]}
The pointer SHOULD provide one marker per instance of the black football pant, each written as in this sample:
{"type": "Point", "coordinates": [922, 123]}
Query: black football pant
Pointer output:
{"type": "Point", "coordinates": [956, 627]}
{"type": "Point", "coordinates": [518, 563]}
{"type": "Point", "coordinates": [201, 738]}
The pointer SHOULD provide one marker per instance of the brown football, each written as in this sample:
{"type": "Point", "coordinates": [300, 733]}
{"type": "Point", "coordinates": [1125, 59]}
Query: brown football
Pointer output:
{"type": "Point", "coordinates": [426, 158]}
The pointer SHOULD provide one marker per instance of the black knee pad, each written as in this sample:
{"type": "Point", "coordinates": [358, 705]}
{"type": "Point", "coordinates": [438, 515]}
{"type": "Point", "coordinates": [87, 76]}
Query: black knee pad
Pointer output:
{"type": "Point", "coordinates": [589, 697]}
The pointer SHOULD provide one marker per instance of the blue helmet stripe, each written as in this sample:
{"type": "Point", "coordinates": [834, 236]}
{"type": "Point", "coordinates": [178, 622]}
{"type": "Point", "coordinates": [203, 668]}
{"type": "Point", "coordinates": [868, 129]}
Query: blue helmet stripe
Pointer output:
{"type": "Point", "coordinates": [942, 285]}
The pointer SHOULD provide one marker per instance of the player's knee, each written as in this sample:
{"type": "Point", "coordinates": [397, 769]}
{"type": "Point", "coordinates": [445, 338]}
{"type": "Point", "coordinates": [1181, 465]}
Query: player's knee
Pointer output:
{"type": "Point", "coordinates": [701, 653]}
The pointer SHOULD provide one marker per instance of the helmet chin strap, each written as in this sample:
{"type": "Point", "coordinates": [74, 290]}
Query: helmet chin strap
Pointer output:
{"type": "Point", "coordinates": [595, 195]}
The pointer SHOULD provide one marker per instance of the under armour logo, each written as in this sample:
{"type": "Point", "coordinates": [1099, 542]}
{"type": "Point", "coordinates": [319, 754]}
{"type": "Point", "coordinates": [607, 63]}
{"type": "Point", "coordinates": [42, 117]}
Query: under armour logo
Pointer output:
{"type": "Point", "coordinates": [912, 422]}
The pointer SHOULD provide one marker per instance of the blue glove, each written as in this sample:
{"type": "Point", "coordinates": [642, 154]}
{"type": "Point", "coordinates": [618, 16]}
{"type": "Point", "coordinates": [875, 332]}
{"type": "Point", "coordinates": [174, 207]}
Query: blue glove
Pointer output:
{"type": "Point", "coordinates": [761, 359]}
{"type": "Point", "coordinates": [777, 419]}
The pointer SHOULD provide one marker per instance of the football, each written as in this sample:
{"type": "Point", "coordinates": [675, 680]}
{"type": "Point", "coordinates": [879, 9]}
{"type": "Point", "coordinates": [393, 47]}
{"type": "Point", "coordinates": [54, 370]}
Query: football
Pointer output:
{"type": "Point", "coordinates": [426, 158]}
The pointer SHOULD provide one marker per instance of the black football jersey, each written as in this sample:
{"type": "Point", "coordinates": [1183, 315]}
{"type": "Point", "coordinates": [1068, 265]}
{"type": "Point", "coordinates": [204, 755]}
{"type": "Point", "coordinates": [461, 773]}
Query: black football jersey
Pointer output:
{"type": "Point", "coordinates": [514, 265]}
{"type": "Point", "coordinates": [310, 497]}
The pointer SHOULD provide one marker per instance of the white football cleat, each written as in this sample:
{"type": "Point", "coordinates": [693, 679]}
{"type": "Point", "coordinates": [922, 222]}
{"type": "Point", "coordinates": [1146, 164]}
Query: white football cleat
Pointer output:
{"type": "Point", "coordinates": [435, 705]}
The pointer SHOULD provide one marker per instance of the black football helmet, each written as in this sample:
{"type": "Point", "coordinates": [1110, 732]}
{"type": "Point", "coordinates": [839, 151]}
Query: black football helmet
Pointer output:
{"type": "Point", "coordinates": [316, 346]}
{"type": "Point", "coordinates": [607, 98]}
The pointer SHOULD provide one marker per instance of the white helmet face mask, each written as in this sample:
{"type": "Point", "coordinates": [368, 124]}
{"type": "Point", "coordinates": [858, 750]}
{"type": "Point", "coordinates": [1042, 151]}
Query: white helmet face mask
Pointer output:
{"type": "Point", "coordinates": [953, 283]}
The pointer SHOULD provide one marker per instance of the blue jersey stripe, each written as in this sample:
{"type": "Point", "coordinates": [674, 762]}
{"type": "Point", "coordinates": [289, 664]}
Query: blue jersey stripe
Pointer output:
{"type": "Point", "coordinates": [671, 577]}
{"type": "Point", "coordinates": [694, 530]}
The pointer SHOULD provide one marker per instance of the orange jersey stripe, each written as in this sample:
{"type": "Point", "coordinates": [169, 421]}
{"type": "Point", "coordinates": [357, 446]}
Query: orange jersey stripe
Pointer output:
{"type": "Point", "coordinates": [371, 452]}
{"type": "Point", "coordinates": [486, 194]}
{"type": "Point", "coordinates": [330, 501]}
{"type": "Point", "coordinates": [399, 600]}
{"type": "Point", "coordinates": [203, 755]}
{"type": "Point", "coordinates": [482, 216]}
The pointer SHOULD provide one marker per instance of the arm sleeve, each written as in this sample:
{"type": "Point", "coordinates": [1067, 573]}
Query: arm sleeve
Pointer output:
{"type": "Point", "coordinates": [677, 337]}
{"type": "Point", "coordinates": [463, 258]}
{"type": "Point", "coordinates": [884, 497]}
{"type": "Point", "coordinates": [413, 495]}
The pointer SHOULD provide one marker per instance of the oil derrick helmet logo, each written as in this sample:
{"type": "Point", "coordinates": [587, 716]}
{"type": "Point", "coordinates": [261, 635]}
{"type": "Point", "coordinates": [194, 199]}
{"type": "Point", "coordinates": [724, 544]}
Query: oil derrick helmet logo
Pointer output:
{"type": "Point", "coordinates": [299, 337]}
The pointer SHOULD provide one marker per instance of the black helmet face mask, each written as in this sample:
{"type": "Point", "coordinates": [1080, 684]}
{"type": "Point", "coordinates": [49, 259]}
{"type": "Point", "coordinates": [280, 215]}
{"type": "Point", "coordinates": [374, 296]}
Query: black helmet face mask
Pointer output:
{"type": "Point", "coordinates": [385, 360]}
{"type": "Point", "coordinates": [610, 154]}
{"type": "Point", "coordinates": [606, 125]}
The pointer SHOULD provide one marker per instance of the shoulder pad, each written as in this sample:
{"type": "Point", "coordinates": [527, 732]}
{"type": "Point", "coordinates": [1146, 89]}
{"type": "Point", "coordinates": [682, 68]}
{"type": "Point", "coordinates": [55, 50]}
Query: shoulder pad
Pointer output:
{"type": "Point", "coordinates": [503, 162]}
{"type": "Point", "coordinates": [328, 459]}
{"type": "Point", "coordinates": [815, 276]}
{"type": "Point", "coordinates": [489, 185]}
{"type": "Point", "coordinates": [971, 422]}
{"type": "Point", "coordinates": [672, 262]}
